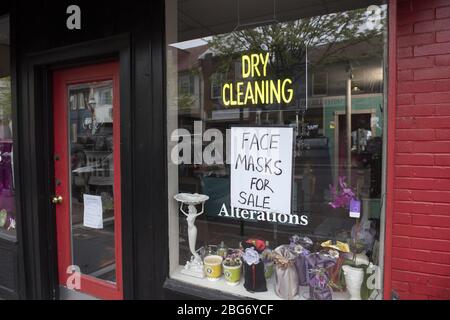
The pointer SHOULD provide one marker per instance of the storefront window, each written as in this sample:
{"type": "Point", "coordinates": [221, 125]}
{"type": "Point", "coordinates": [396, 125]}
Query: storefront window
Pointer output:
{"type": "Point", "coordinates": [7, 206]}
{"type": "Point", "coordinates": [275, 137]}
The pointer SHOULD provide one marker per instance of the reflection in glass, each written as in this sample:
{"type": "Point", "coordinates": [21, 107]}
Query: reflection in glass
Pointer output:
{"type": "Point", "coordinates": [7, 187]}
{"type": "Point", "coordinates": [91, 151]}
{"type": "Point", "coordinates": [336, 64]}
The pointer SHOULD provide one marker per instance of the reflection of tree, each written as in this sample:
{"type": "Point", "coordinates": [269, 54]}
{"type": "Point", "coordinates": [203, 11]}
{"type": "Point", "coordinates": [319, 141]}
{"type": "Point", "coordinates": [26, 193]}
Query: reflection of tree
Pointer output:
{"type": "Point", "coordinates": [5, 99]}
{"type": "Point", "coordinates": [286, 42]}
{"type": "Point", "coordinates": [185, 102]}
{"type": "Point", "coordinates": [186, 89]}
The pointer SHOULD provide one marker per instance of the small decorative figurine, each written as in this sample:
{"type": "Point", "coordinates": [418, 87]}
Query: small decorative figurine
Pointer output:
{"type": "Point", "coordinates": [194, 267]}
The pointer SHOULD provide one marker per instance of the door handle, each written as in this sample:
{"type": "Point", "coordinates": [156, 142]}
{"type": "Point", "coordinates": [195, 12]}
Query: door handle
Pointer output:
{"type": "Point", "coordinates": [57, 199]}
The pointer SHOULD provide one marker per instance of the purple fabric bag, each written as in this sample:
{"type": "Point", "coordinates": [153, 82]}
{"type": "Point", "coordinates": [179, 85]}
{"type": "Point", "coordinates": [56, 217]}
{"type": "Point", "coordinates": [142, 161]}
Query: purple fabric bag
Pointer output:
{"type": "Point", "coordinates": [301, 265]}
{"type": "Point", "coordinates": [302, 269]}
{"type": "Point", "coordinates": [320, 260]}
{"type": "Point", "coordinates": [318, 285]}
{"type": "Point", "coordinates": [318, 277]}
{"type": "Point", "coordinates": [286, 285]}
{"type": "Point", "coordinates": [300, 246]}
{"type": "Point", "coordinates": [305, 242]}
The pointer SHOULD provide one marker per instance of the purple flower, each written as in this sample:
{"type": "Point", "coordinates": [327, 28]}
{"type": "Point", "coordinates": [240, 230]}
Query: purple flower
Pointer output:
{"type": "Point", "coordinates": [341, 195]}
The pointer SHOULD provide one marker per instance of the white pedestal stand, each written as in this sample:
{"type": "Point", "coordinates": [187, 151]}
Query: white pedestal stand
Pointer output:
{"type": "Point", "coordinates": [194, 267]}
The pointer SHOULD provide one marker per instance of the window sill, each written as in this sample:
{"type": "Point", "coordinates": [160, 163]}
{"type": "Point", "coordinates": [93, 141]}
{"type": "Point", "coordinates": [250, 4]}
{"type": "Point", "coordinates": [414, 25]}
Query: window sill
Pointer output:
{"type": "Point", "coordinates": [219, 290]}
{"type": "Point", "coordinates": [197, 292]}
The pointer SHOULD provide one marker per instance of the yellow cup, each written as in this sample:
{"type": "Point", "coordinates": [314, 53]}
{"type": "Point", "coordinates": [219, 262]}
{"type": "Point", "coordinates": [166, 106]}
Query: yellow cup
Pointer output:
{"type": "Point", "coordinates": [213, 267]}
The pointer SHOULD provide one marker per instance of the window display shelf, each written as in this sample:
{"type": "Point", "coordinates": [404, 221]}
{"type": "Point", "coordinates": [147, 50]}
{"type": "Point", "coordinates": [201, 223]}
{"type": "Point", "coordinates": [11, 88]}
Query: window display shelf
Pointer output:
{"type": "Point", "coordinates": [240, 291]}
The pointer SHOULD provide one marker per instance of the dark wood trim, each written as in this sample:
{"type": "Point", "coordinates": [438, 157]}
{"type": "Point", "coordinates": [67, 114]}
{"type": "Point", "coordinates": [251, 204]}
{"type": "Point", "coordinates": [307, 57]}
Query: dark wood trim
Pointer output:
{"type": "Point", "coordinates": [20, 233]}
{"type": "Point", "coordinates": [5, 7]}
{"type": "Point", "coordinates": [126, 152]}
{"type": "Point", "coordinates": [143, 123]}
{"type": "Point", "coordinates": [159, 159]}
{"type": "Point", "coordinates": [150, 159]}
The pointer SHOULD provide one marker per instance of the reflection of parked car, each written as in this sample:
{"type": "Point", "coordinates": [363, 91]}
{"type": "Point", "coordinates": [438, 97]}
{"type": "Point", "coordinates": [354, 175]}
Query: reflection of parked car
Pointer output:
{"type": "Point", "coordinates": [99, 167]}
{"type": "Point", "coordinates": [218, 189]}
{"type": "Point", "coordinates": [95, 175]}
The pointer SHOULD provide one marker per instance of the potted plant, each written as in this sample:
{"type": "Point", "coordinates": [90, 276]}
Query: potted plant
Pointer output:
{"type": "Point", "coordinates": [342, 197]}
{"type": "Point", "coordinates": [232, 266]}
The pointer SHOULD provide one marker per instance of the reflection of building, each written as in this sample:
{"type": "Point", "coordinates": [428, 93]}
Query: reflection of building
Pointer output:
{"type": "Point", "coordinates": [190, 81]}
{"type": "Point", "coordinates": [203, 71]}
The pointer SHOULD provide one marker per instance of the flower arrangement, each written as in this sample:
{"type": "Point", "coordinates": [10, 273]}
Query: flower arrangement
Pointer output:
{"type": "Point", "coordinates": [300, 245]}
{"type": "Point", "coordinates": [258, 244]}
{"type": "Point", "coordinates": [267, 256]}
{"type": "Point", "coordinates": [341, 194]}
{"type": "Point", "coordinates": [233, 259]}
{"type": "Point", "coordinates": [232, 262]}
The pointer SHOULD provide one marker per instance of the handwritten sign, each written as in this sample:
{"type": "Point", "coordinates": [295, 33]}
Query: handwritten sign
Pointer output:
{"type": "Point", "coordinates": [261, 168]}
{"type": "Point", "coordinates": [93, 211]}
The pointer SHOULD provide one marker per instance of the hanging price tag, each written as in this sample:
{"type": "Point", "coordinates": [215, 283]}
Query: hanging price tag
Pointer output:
{"type": "Point", "coordinates": [355, 208]}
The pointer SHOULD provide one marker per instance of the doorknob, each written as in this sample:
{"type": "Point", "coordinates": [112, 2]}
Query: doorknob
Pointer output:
{"type": "Point", "coordinates": [57, 199]}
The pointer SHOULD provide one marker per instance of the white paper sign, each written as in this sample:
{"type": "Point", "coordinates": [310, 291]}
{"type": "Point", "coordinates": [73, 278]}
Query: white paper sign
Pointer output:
{"type": "Point", "coordinates": [93, 211]}
{"type": "Point", "coordinates": [261, 168]}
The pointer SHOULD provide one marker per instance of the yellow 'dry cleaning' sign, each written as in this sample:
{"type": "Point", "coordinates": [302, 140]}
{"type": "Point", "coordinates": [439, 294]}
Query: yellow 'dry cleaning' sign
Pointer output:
{"type": "Point", "coordinates": [265, 91]}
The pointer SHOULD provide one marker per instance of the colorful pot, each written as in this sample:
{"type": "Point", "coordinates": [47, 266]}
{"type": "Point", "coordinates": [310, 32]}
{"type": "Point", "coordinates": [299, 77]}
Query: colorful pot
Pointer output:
{"type": "Point", "coordinates": [353, 280]}
{"type": "Point", "coordinates": [213, 267]}
{"type": "Point", "coordinates": [232, 274]}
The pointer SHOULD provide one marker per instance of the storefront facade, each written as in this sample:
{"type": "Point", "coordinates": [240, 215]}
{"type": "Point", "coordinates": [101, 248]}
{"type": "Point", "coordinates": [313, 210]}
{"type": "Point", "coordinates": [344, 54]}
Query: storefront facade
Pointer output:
{"type": "Point", "coordinates": [108, 124]}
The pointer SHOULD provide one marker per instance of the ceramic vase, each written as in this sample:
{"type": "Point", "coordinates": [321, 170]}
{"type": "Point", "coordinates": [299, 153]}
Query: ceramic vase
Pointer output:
{"type": "Point", "coordinates": [232, 274]}
{"type": "Point", "coordinates": [353, 280]}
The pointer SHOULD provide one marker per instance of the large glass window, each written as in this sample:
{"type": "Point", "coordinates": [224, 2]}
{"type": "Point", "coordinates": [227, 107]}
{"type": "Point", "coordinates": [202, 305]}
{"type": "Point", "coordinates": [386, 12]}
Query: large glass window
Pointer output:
{"type": "Point", "coordinates": [275, 117]}
{"type": "Point", "coordinates": [7, 206]}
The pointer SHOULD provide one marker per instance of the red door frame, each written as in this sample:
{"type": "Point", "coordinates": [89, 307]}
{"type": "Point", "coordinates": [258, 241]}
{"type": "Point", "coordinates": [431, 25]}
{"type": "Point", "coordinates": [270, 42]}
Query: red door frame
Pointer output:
{"type": "Point", "coordinates": [390, 148]}
{"type": "Point", "coordinates": [61, 79]}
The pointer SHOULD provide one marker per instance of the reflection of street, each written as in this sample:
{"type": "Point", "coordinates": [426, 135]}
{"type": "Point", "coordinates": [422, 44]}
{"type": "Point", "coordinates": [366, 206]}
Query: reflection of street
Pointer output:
{"type": "Point", "coordinates": [93, 248]}
{"type": "Point", "coordinates": [92, 173]}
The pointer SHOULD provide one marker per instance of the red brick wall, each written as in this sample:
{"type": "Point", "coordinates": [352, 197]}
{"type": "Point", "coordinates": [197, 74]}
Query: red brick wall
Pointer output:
{"type": "Point", "coordinates": [420, 261]}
